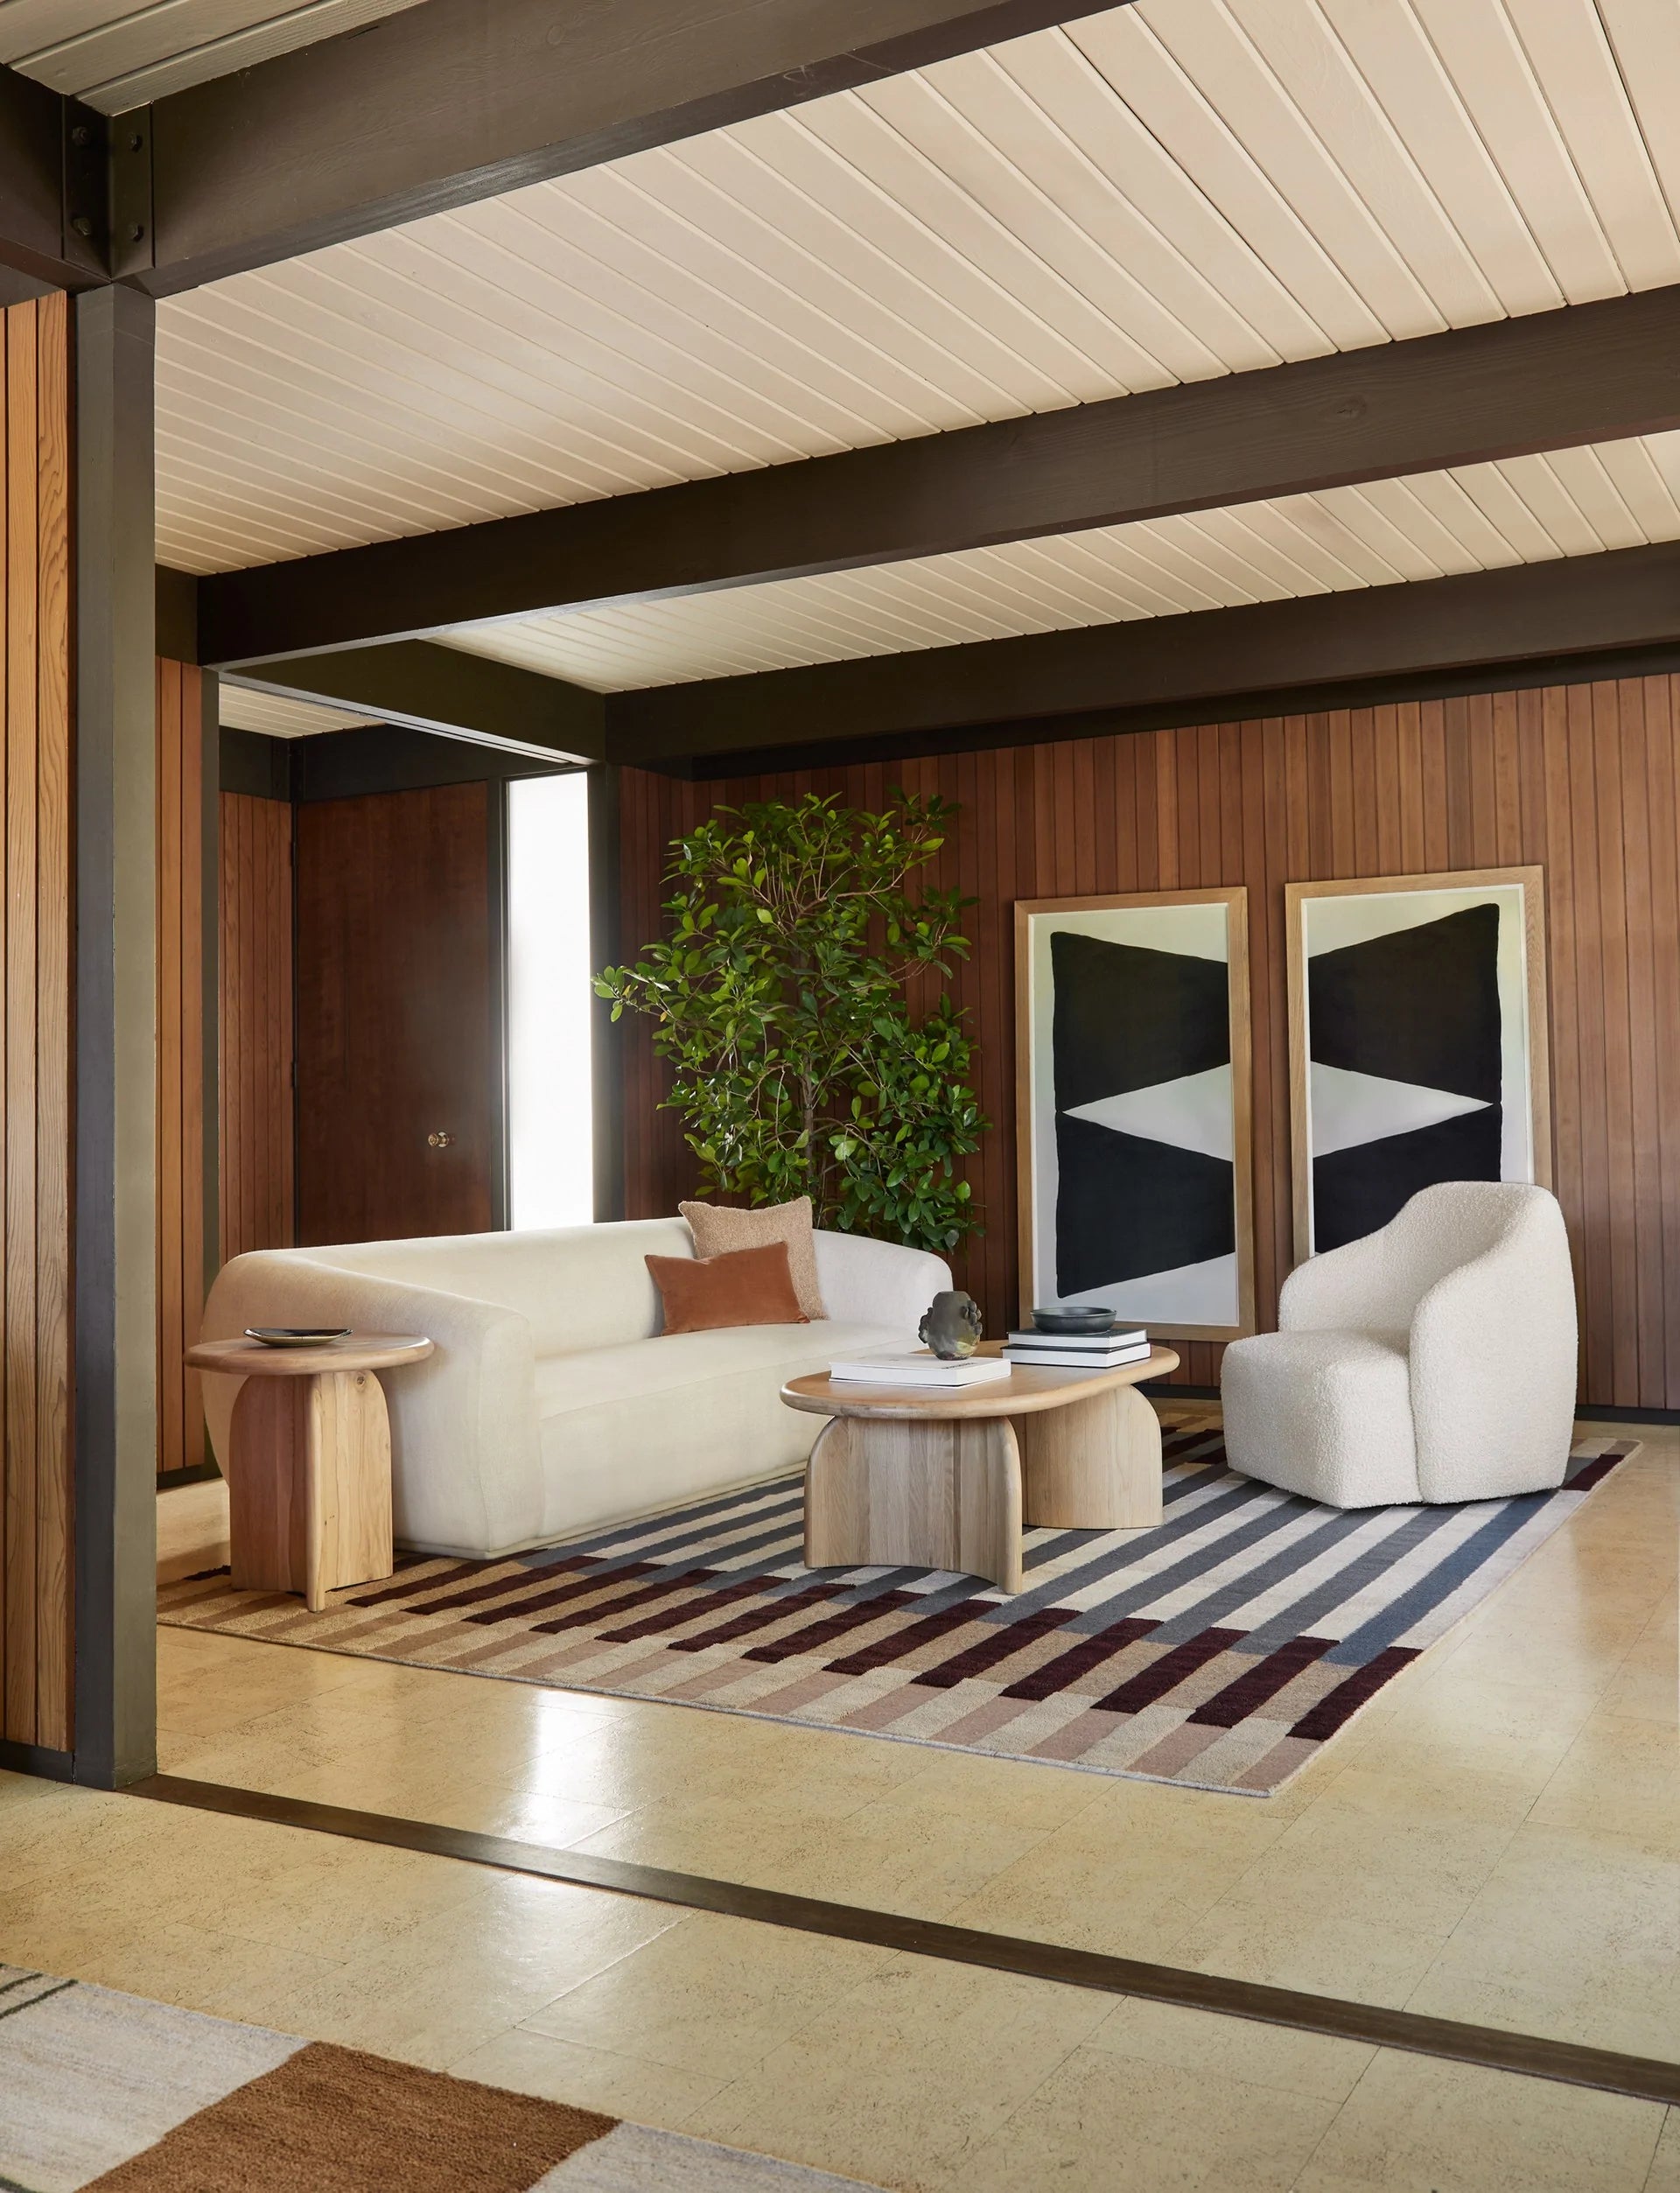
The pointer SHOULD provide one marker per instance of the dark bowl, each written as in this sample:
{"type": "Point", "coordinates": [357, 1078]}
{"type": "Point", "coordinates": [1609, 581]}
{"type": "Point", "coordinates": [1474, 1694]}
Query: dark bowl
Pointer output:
{"type": "Point", "coordinates": [296, 1336]}
{"type": "Point", "coordinates": [1074, 1321]}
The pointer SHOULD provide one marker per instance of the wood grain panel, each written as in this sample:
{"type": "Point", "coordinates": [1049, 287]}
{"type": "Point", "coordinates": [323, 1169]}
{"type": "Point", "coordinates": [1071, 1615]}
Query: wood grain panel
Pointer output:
{"type": "Point", "coordinates": [181, 1092]}
{"type": "Point", "coordinates": [1583, 780]}
{"type": "Point", "coordinates": [257, 1148]}
{"type": "Point", "coordinates": [36, 1558]}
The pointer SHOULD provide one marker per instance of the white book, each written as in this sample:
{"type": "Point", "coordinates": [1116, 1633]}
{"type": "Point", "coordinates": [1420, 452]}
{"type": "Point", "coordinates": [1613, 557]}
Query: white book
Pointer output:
{"type": "Point", "coordinates": [917, 1367]}
{"type": "Point", "coordinates": [1122, 1336]}
{"type": "Point", "coordinates": [1066, 1359]}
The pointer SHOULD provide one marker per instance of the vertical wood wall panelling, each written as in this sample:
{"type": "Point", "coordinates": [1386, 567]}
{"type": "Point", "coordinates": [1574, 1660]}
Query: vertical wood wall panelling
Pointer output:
{"type": "Point", "coordinates": [258, 1199]}
{"type": "Point", "coordinates": [1583, 779]}
{"type": "Point", "coordinates": [36, 1568]}
{"type": "Point", "coordinates": [181, 1091]}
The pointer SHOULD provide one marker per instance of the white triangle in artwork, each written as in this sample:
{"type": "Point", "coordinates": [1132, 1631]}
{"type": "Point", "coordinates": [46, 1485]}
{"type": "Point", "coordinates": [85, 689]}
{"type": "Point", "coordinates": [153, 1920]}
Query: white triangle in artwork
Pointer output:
{"type": "Point", "coordinates": [1349, 1108]}
{"type": "Point", "coordinates": [1193, 1294]}
{"type": "Point", "coordinates": [1193, 1112]}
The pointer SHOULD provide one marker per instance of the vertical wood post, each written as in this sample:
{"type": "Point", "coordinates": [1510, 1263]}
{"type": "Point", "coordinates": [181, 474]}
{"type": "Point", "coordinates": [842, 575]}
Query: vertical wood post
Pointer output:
{"type": "Point", "coordinates": [115, 1290]}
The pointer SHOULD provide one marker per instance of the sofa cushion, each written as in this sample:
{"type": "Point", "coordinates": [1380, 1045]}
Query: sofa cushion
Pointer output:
{"type": "Point", "coordinates": [631, 1431]}
{"type": "Point", "coordinates": [720, 1228]}
{"type": "Point", "coordinates": [714, 1295]}
{"type": "Point", "coordinates": [677, 1360]}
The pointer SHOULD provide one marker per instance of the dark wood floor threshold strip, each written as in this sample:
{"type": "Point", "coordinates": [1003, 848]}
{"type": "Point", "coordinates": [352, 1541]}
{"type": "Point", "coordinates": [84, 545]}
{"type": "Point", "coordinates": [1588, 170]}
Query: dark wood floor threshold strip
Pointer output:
{"type": "Point", "coordinates": [1644, 2077]}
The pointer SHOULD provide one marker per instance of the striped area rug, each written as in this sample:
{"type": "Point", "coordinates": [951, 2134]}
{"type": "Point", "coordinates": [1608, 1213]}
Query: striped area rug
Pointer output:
{"type": "Point", "coordinates": [1220, 1649]}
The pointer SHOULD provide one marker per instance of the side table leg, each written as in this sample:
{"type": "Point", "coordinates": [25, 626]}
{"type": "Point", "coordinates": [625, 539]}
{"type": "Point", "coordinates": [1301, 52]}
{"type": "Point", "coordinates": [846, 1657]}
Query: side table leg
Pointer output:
{"type": "Point", "coordinates": [347, 1463]}
{"type": "Point", "coordinates": [942, 1494]}
{"type": "Point", "coordinates": [266, 1505]}
{"type": "Point", "coordinates": [1093, 1465]}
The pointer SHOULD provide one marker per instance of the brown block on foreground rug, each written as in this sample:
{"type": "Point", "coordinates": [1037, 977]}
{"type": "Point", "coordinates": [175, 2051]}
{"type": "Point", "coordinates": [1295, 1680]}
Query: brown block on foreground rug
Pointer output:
{"type": "Point", "coordinates": [106, 2091]}
{"type": "Point", "coordinates": [1222, 1649]}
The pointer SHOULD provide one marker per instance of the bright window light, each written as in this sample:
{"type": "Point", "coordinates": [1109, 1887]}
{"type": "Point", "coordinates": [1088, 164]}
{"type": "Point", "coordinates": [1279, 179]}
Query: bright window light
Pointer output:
{"type": "Point", "coordinates": [550, 1129]}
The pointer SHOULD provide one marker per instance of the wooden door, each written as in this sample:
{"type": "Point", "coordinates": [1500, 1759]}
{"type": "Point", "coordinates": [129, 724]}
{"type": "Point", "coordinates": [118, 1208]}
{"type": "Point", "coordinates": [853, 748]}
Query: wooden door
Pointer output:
{"type": "Point", "coordinates": [399, 1046]}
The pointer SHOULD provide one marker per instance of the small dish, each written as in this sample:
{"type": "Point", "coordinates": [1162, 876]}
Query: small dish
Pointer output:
{"type": "Point", "coordinates": [296, 1336]}
{"type": "Point", "coordinates": [1083, 1322]}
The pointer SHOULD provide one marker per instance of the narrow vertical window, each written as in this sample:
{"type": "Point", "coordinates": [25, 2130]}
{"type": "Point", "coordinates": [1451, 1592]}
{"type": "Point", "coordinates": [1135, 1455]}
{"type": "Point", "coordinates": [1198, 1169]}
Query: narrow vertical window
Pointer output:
{"type": "Point", "coordinates": [551, 1128]}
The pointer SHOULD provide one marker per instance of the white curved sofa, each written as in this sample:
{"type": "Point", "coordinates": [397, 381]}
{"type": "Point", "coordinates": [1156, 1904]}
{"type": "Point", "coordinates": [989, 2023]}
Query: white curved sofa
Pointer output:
{"type": "Point", "coordinates": [553, 1403]}
{"type": "Point", "coordinates": [1434, 1359]}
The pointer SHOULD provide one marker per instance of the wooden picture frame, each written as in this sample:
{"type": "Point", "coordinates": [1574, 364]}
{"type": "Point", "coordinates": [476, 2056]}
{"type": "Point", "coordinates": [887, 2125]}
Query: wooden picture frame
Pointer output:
{"type": "Point", "coordinates": [1035, 1288]}
{"type": "Point", "coordinates": [1296, 896]}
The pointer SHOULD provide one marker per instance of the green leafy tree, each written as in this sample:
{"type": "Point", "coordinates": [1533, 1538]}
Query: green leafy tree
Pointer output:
{"type": "Point", "coordinates": [781, 998]}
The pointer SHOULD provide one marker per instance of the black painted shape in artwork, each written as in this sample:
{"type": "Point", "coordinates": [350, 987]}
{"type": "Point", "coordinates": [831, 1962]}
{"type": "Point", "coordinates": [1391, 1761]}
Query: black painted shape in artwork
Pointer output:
{"type": "Point", "coordinates": [1126, 1206]}
{"type": "Point", "coordinates": [1355, 1191]}
{"type": "Point", "coordinates": [1420, 1004]}
{"type": "Point", "coordinates": [1126, 1018]}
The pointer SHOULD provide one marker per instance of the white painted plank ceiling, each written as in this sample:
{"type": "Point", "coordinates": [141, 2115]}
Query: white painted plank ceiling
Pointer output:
{"type": "Point", "coordinates": [1477, 518]}
{"type": "Point", "coordinates": [239, 708]}
{"type": "Point", "coordinates": [1166, 193]}
{"type": "Point", "coordinates": [119, 54]}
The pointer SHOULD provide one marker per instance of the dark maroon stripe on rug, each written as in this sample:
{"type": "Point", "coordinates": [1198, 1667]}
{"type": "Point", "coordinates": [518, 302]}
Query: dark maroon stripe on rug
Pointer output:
{"type": "Point", "coordinates": [1008, 1638]}
{"type": "Point", "coordinates": [1346, 1699]}
{"type": "Point", "coordinates": [1263, 1680]}
{"type": "Point", "coordinates": [815, 1634]}
{"type": "Point", "coordinates": [414, 1587]}
{"type": "Point", "coordinates": [773, 1610]}
{"type": "Point", "coordinates": [522, 1580]}
{"type": "Point", "coordinates": [601, 1610]}
{"type": "Point", "coordinates": [914, 1635]}
{"type": "Point", "coordinates": [1090, 1652]}
{"type": "Point", "coordinates": [1166, 1673]}
{"type": "Point", "coordinates": [704, 1603]}
{"type": "Point", "coordinates": [1594, 1472]}
{"type": "Point", "coordinates": [592, 1579]}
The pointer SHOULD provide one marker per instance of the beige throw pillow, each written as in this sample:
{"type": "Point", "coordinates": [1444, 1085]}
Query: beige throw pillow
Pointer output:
{"type": "Point", "coordinates": [719, 1231]}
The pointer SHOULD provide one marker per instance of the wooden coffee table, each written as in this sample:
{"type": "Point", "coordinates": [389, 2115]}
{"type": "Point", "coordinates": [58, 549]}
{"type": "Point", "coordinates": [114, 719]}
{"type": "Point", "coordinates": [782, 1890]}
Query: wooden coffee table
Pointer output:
{"type": "Point", "coordinates": [309, 1460]}
{"type": "Point", "coordinates": [904, 1478]}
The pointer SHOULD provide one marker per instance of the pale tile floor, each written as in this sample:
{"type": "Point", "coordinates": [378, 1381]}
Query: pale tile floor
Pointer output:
{"type": "Point", "coordinates": [1498, 1839]}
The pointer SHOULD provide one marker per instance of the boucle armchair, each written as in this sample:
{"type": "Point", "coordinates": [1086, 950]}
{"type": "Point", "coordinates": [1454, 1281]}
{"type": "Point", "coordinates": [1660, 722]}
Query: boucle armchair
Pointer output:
{"type": "Point", "coordinates": [1432, 1361]}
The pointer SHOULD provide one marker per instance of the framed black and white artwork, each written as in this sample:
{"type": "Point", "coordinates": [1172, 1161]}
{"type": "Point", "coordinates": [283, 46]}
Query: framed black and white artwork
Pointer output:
{"type": "Point", "coordinates": [1133, 1109]}
{"type": "Point", "coordinates": [1417, 1042]}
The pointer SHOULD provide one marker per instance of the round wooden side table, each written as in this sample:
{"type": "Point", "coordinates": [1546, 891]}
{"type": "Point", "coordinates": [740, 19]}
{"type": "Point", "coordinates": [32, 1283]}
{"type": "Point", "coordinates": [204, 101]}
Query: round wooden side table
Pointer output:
{"type": "Point", "coordinates": [309, 1460]}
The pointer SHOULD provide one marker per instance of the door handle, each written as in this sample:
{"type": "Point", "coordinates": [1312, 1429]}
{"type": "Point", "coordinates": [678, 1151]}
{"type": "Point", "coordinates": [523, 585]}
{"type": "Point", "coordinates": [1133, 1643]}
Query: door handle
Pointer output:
{"type": "Point", "coordinates": [440, 1141]}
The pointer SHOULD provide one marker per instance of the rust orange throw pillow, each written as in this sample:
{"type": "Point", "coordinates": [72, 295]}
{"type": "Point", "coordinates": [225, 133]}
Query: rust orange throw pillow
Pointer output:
{"type": "Point", "coordinates": [747, 1286]}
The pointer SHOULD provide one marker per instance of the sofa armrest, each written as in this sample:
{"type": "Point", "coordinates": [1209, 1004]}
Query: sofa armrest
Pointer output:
{"type": "Point", "coordinates": [466, 1476]}
{"type": "Point", "coordinates": [1362, 1287]}
{"type": "Point", "coordinates": [867, 1282]}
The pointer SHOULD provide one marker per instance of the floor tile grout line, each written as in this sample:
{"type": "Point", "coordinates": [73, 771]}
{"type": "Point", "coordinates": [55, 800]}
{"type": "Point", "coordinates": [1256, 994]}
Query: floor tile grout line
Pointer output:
{"type": "Point", "coordinates": [1532, 2056]}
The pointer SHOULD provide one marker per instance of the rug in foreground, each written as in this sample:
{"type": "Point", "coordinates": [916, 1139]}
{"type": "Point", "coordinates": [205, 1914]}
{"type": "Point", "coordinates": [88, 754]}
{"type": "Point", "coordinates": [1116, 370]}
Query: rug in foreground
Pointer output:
{"type": "Point", "coordinates": [1223, 1649]}
{"type": "Point", "coordinates": [105, 2090]}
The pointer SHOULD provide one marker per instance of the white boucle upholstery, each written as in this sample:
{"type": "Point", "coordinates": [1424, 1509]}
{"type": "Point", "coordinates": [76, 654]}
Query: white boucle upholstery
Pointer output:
{"type": "Point", "coordinates": [1432, 1361]}
{"type": "Point", "coordinates": [552, 1402]}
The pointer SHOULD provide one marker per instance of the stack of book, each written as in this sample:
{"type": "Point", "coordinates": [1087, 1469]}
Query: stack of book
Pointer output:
{"type": "Point", "coordinates": [917, 1367]}
{"type": "Point", "coordinates": [1081, 1351]}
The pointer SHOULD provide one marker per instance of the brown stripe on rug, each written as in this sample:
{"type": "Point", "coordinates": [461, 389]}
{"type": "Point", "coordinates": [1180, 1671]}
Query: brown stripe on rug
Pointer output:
{"type": "Point", "coordinates": [1221, 1649]}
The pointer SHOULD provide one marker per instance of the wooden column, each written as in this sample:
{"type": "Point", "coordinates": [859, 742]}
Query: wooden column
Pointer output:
{"type": "Point", "coordinates": [36, 1594]}
{"type": "Point", "coordinates": [257, 1140]}
{"type": "Point", "coordinates": [187, 1048]}
{"type": "Point", "coordinates": [115, 1029]}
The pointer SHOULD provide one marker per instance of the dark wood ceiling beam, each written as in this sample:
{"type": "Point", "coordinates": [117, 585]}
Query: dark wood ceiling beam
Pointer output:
{"type": "Point", "coordinates": [458, 100]}
{"type": "Point", "coordinates": [1587, 372]}
{"type": "Point", "coordinates": [52, 176]}
{"type": "Point", "coordinates": [442, 690]}
{"type": "Point", "coordinates": [1628, 598]}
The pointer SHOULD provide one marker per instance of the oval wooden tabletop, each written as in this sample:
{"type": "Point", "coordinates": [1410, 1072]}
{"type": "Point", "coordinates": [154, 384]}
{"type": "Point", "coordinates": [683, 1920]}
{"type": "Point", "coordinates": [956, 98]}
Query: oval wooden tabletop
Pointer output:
{"type": "Point", "coordinates": [1026, 1389]}
{"type": "Point", "coordinates": [361, 1351]}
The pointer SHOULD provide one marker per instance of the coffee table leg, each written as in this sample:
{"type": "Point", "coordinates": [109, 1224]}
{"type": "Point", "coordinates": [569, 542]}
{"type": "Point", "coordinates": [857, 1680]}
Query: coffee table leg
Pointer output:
{"type": "Point", "coordinates": [348, 1458]}
{"type": "Point", "coordinates": [940, 1495]}
{"type": "Point", "coordinates": [1093, 1465]}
